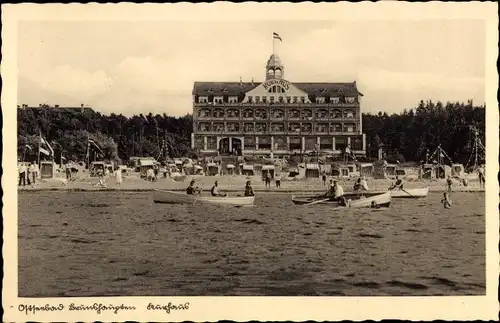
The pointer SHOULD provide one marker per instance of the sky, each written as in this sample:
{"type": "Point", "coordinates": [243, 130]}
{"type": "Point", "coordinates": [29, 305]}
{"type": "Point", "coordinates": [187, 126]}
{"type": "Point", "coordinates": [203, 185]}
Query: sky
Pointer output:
{"type": "Point", "coordinates": [133, 67]}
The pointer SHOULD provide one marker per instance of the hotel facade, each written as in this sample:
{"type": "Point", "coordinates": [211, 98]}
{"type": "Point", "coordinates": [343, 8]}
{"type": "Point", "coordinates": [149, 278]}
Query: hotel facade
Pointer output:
{"type": "Point", "coordinates": [276, 117]}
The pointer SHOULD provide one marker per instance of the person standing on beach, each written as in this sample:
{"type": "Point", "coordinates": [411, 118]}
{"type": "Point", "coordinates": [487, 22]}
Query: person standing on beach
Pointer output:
{"type": "Point", "coordinates": [68, 173]}
{"type": "Point", "coordinates": [480, 173]}
{"type": "Point", "coordinates": [277, 179]}
{"type": "Point", "coordinates": [22, 175]}
{"type": "Point", "coordinates": [324, 178]}
{"type": "Point", "coordinates": [118, 176]}
{"type": "Point", "coordinates": [28, 174]}
{"type": "Point", "coordinates": [268, 180]}
{"type": "Point", "coordinates": [33, 171]}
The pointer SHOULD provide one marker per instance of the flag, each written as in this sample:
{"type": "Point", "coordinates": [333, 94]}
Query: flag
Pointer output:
{"type": "Point", "coordinates": [44, 151]}
{"type": "Point", "coordinates": [277, 36]}
{"type": "Point", "coordinates": [95, 145]}
{"type": "Point", "coordinates": [29, 147]}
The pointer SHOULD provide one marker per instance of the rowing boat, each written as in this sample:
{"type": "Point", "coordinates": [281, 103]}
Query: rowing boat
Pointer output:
{"type": "Point", "coordinates": [355, 200]}
{"type": "Point", "coordinates": [410, 192]}
{"type": "Point", "coordinates": [171, 197]}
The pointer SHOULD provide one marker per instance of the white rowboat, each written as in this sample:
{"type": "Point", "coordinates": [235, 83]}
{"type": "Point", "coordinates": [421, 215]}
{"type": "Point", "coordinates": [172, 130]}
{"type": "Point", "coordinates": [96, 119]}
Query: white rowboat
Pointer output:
{"type": "Point", "coordinates": [171, 197]}
{"type": "Point", "coordinates": [410, 192]}
{"type": "Point", "coordinates": [355, 200]}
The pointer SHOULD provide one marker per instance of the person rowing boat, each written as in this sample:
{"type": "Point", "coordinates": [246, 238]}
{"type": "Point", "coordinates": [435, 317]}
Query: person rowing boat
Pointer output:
{"type": "Point", "coordinates": [216, 191]}
{"type": "Point", "coordinates": [398, 185]}
{"type": "Point", "coordinates": [361, 184]}
{"type": "Point", "coordinates": [336, 192]}
{"type": "Point", "coordinates": [248, 189]}
{"type": "Point", "coordinates": [191, 190]}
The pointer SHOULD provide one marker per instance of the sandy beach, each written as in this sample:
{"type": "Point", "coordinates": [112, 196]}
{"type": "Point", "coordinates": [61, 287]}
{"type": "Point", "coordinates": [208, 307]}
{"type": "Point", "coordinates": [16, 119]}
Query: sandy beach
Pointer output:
{"type": "Point", "coordinates": [236, 183]}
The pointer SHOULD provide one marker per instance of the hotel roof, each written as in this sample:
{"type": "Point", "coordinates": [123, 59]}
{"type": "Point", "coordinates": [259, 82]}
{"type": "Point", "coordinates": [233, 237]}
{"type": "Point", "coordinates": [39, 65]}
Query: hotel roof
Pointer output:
{"type": "Point", "coordinates": [240, 88]}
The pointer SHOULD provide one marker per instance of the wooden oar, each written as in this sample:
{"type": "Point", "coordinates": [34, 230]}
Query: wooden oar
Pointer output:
{"type": "Point", "coordinates": [196, 199]}
{"type": "Point", "coordinates": [406, 192]}
{"type": "Point", "coordinates": [316, 202]}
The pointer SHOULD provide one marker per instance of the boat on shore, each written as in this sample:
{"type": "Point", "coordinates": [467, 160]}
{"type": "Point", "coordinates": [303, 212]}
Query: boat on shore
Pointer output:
{"type": "Point", "coordinates": [171, 197]}
{"type": "Point", "coordinates": [354, 200]}
{"type": "Point", "coordinates": [410, 192]}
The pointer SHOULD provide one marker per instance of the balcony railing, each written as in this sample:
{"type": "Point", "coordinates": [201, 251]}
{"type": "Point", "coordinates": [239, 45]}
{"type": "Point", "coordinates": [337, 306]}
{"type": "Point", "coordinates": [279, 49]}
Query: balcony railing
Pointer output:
{"type": "Point", "coordinates": [274, 104]}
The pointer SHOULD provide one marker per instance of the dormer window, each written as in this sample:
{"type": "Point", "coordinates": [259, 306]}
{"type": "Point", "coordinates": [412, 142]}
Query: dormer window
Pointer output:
{"type": "Point", "coordinates": [320, 99]}
{"type": "Point", "coordinates": [233, 99]}
{"type": "Point", "coordinates": [334, 100]}
{"type": "Point", "coordinates": [350, 99]}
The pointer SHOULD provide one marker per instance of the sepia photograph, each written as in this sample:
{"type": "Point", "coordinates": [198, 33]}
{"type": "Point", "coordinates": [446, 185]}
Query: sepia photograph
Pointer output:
{"type": "Point", "coordinates": [329, 157]}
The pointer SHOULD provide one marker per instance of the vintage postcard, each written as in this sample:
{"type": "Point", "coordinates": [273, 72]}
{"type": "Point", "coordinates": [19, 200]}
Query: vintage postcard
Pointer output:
{"type": "Point", "coordinates": [253, 161]}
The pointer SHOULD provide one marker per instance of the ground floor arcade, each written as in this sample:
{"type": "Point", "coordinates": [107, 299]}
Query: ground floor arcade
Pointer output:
{"type": "Point", "coordinates": [276, 144]}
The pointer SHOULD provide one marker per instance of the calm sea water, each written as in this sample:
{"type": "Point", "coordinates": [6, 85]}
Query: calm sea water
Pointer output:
{"type": "Point", "coordinates": [113, 243]}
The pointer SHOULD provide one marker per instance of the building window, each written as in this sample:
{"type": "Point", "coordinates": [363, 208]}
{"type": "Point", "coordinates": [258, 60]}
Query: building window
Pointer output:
{"type": "Point", "coordinates": [281, 99]}
{"type": "Point", "coordinates": [294, 113]}
{"type": "Point", "coordinates": [335, 127]}
{"type": "Point", "coordinates": [303, 99]}
{"type": "Point", "coordinates": [288, 99]}
{"type": "Point", "coordinates": [350, 99]}
{"type": "Point", "coordinates": [321, 114]}
{"type": "Point", "coordinates": [233, 99]}
{"type": "Point", "coordinates": [250, 99]}
{"type": "Point", "coordinates": [349, 127]}
{"type": "Point", "coordinates": [260, 127]}
{"type": "Point", "coordinates": [334, 100]}
{"type": "Point", "coordinates": [271, 99]}
{"type": "Point", "coordinates": [203, 99]}
{"type": "Point", "coordinates": [248, 113]}
{"type": "Point", "coordinates": [248, 127]}
{"type": "Point", "coordinates": [277, 114]}
{"type": "Point", "coordinates": [257, 99]}
{"type": "Point", "coordinates": [277, 127]}
{"type": "Point", "coordinates": [264, 99]}
{"type": "Point", "coordinates": [349, 114]}
{"type": "Point", "coordinates": [320, 100]}
{"type": "Point", "coordinates": [295, 99]}
{"type": "Point", "coordinates": [336, 114]}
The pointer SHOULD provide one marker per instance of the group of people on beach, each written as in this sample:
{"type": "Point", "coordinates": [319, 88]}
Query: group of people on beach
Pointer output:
{"type": "Point", "coordinates": [104, 174]}
{"type": "Point", "coordinates": [28, 173]}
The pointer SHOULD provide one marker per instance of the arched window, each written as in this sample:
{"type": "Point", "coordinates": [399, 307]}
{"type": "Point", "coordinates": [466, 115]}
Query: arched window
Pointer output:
{"type": "Point", "coordinates": [248, 113]}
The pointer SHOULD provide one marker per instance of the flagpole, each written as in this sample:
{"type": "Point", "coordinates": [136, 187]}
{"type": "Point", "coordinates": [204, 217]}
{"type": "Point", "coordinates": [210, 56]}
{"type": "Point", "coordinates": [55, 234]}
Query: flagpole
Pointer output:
{"type": "Point", "coordinates": [273, 44]}
{"type": "Point", "coordinates": [39, 143]}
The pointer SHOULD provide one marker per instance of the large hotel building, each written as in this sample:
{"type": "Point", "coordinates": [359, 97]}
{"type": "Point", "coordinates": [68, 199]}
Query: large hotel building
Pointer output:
{"type": "Point", "coordinates": [276, 117]}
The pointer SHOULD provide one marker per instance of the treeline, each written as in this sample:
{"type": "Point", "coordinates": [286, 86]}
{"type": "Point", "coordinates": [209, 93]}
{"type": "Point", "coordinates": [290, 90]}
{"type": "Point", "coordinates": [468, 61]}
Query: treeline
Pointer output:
{"type": "Point", "coordinates": [406, 136]}
{"type": "Point", "coordinates": [410, 135]}
{"type": "Point", "coordinates": [119, 137]}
